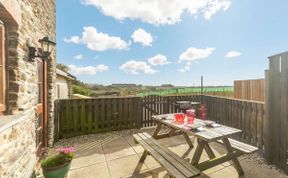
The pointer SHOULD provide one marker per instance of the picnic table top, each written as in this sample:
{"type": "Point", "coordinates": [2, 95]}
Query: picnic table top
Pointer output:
{"type": "Point", "coordinates": [208, 134]}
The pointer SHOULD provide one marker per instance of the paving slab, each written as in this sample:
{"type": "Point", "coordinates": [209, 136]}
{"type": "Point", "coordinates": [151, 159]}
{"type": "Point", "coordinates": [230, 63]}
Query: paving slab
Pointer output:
{"type": "Point", "coordinates": [116, 155]}
{"type": "Point", "coordinates": [124, 167]}
{"type": "Point", "coordinates": [118, 152]}
{"type": "Point", "coordinates": [84, 161]}
{"type": "Point", "coordinates": [97, 170]}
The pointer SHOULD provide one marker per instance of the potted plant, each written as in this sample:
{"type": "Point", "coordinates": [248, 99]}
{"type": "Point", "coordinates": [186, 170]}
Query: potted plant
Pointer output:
{"type": "Point", "coordinates": [57, 166]}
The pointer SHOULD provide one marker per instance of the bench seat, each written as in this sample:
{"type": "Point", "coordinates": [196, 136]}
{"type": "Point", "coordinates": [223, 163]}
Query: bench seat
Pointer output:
{"type": "Point", "coordinates": [243, 147]}
{"type": "Point", "coordinates": [175, 165]}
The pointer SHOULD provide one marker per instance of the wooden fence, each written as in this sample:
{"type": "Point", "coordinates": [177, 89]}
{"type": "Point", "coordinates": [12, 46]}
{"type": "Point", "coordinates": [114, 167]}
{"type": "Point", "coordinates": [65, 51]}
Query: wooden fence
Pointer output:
{"type": "Point", "coordinates": [277, 112]}
{"type": "Point", "coordinates": [250, 89]}
{"type": "Point", "coordinates": [243, 114]}
{"type": "Point", "coordinates": [85, 116]}
{"type": "Point", "coordinates": [75, 117]}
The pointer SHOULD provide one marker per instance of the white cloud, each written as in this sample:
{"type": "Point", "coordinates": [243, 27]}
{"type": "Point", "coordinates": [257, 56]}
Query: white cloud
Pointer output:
{"type": "Point", "coordinates": [185, 69]}
{"type": "Point", "coordinates": [158, 12]}
{"type": "Point", "coordinates": [134, 67]}
{"type": "Point", "coordinates": [232, 54]}
{"type": "Point", "coordinates": [98, 41]}
{"type": "Point", "coordinates": [88, 70]}
{"type": "Point", "coordinates": [192, 54]}
{"type": "Point", "coordinates": [143, 37]}
{"type": "Point", "coordinates": [79, 57]}
{"type": "Point", "coordinates": [214, 6]}
{"type": "Point", "coordinates": [73, 39]}
{"type": "Point", "coordinates": [159, 59]}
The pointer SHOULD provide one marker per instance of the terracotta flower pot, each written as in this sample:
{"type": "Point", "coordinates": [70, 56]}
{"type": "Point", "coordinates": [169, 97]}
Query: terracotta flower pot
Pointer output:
{"type": "Point", "coordinates": [57, 172]}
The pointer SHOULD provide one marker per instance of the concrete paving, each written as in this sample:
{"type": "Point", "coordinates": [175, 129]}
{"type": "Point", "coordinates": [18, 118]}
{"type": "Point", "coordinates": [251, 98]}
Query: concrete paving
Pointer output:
{"type": "Point", "coordinates": [115, 155]}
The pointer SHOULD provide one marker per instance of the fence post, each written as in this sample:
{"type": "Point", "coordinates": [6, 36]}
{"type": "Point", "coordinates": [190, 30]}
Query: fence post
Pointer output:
{"type": "Point", "coordinates": [140, 118]}
{"type": "Point", "coordinates": [201, 89]}
{"type": "Point", "coordinates": [165, 105]}
{"type": "Point", "coordinates": [56, 120]}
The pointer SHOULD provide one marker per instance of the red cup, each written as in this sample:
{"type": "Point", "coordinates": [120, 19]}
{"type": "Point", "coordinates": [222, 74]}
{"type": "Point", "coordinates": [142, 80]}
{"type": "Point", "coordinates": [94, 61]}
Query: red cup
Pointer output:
{"type": "Point", "coordinates": [190, 116]}
{"type": "Point", "coordinates": [179, 117]}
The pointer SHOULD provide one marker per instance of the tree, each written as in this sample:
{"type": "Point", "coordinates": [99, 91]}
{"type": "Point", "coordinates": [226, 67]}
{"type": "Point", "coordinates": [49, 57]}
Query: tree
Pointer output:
{"type": "Point", "coordinates": [63, 67]}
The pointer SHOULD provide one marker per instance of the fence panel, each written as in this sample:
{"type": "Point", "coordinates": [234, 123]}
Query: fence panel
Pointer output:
{"type": "Point", "coordinates": [250, 89]}
{"type": "Point", "coordinates": [85, 116]}
{"type": "Point", "coordinates": [245, 115]}
{"type": "Point", "coordinates": [276, 104]}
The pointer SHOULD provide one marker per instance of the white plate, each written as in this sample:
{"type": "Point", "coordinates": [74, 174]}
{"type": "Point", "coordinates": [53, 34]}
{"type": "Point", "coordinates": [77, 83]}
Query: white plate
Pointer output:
{"type": "Point", "coordinates": [200, 129]}
{"type": "Point", "coordinates": [208, 122]}
{"type": "Point", "coordinates": [215, 125]}
{"type": "Point", "coordinates": [194, 126]}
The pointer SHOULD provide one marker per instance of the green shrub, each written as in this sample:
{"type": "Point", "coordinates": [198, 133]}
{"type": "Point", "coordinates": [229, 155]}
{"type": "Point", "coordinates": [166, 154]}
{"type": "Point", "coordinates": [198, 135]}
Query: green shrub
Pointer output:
{"type": "Point", "coordinates": [64, 155]}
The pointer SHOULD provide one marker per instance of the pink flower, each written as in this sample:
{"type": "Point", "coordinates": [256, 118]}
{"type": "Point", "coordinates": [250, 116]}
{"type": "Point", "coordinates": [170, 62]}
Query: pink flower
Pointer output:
{"type": "Point", "coordinates": [66, 150]}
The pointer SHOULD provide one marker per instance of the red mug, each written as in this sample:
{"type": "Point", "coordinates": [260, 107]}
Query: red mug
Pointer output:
{"type": "Point", "coordinates": [190, 116]}
{"type": "Point", "coordinates": [179, 117]}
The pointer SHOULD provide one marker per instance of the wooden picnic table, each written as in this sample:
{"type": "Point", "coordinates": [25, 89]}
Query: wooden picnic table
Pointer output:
{"type": "Point", "coordinates": [204, 138]}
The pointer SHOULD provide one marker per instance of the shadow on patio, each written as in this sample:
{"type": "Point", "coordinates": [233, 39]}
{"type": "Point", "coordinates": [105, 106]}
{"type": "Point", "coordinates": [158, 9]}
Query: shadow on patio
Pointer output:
{"type": "Point", "coordinates": [115, 155]}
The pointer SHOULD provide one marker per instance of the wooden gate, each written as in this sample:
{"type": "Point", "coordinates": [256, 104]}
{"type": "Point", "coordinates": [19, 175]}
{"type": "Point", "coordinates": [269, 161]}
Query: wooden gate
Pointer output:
{"type": "Point", "coordinates": [277, 112]}
{"type": "Point", "coordinates": [152, 105]}
{"type": "Point", "coordinates": [155, 105]}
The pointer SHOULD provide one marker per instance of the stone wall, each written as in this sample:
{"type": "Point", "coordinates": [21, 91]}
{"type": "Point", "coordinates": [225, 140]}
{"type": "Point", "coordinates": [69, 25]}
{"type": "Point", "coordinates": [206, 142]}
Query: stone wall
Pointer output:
{"type": "Point", "coordinates": [37, 20]}
{"type": "Point", "coordinates": [17, 149]}
{"type": "Point", "coordinates": [26, 21]}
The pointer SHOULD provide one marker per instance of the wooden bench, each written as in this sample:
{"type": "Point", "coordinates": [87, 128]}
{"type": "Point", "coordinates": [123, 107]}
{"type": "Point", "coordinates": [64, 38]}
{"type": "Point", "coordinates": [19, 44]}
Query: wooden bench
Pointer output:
{"type": "Point", "coordinates": [240, 146]}
{"type": "Point", "coordinates": [175, 165]}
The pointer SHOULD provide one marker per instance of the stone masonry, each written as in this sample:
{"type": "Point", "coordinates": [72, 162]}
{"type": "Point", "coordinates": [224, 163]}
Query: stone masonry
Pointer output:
{"type": "Point", "coordinates": [17, 148]}
{"type": "Point", "coordinates": [25, 21]}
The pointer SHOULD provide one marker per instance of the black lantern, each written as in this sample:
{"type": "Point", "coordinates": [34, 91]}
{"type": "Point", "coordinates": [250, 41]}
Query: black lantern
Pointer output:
{"type": "Point", "coordinates": [47, 47]}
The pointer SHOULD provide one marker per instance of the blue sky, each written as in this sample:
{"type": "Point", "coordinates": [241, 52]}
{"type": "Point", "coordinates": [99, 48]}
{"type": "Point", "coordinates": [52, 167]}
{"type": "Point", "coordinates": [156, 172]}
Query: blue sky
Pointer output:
{"type": "Point", "coordinates": [223, 40]}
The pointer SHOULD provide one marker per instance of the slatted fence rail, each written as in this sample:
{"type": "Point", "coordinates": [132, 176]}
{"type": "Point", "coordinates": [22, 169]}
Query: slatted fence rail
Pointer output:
{"type": "Point", "coordinates": [85, 116]}
{"type": "Point", "coordinates": [243, 114]}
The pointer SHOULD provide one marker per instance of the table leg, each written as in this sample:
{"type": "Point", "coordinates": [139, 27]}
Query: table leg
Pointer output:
{"type": "Point", "coordinates": [172, 132]}
{"type": "Point", "coordinates": [234, 160]}
{"type": "Point", "coordinates": [140, 163]}
{"type": "Point", "coordinates": [198, 152]}
{"type": "Point", "coordinates": [157, 130]}
{"type": "Point", "coordinates": [188, 140]}
{"type": "Point", "coordinates": [209, 151]}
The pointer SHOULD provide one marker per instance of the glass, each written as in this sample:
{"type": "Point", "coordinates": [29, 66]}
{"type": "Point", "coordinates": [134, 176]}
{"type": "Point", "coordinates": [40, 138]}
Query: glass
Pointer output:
{"type": "Point", "coordinates": [2, 63]}
{"type": "Point", "coordinates": [40, 81]}
{"type": "Point", "coordinates": [179, 117]}
{"type": "Point", "coordinates": [190, 116]}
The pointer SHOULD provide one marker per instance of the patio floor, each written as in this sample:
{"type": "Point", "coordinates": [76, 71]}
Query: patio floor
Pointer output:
{"type": "Point", "coordinates": [115, 155]}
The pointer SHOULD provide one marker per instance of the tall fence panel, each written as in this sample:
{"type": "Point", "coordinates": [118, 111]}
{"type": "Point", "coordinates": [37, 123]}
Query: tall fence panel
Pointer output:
{"type": "Point", "coordinates": [245, 115]}
{"type": "Point", "coordinates": [85, 116]}
{"type": "Point", "coordinates": [277, 113]}
{"type": "Point", "coordinates": [250, 89]}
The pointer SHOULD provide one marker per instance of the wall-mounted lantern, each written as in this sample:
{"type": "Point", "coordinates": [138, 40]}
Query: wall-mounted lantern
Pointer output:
{"type": "Point", "coordinates": [47, 47]}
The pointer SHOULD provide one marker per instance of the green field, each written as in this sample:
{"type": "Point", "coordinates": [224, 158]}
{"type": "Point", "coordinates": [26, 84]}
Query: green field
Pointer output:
{"type": "Point", "coordinates": [187, 91]}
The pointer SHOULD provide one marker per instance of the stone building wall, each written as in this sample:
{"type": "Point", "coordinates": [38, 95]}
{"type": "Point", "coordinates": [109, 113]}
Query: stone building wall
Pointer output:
{"type": "Point", "coordinates": [17, 149]}
{"type": "Point", "coordinates": [26, 21]}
